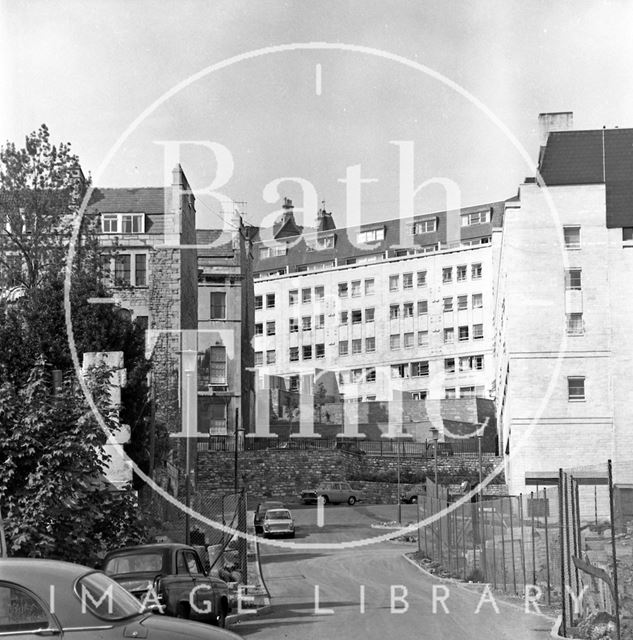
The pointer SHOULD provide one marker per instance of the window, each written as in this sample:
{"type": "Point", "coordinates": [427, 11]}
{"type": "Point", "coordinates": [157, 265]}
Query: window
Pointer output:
{"type": "Point", "coordinates": [408, 340]}
{"type": "Point", "coordinates": [294, 354]}
{"type": "Point", "coordinates": [449, 365]}
{"type": "Point", "coordinates": [462, 303]}
{"type": "Point", "coordinates": [478, 331]}
{"type": "Point", "coordinates": [447, 274]}
{"type": "Point", "coordinates": [357, 376]}
{"type": "Point", "coordinates": [574, 324]}
{"type": "Point", "coordinates": [467, 392]}
{"type": "Point", "coordinates": [394, 341]}
{"type": "Point", "coordinates": [371, 235]}
{"type": "Point", "coordinates": [343, 348]}
{"type": "Point", "coordinates": [319, 293]}
{"type": "Point", "coordinates": [394, 311]}
{"type": "Point", "coordinates": [218, 365]}
{"type": "Point", "coordinates": [140, 270]}
{"type": "Point", "coordinates": [477, 217]}
{"type": "Point", "coordinates": [400, 370]}
{"type": "Point", "coordinates": [306, 296]}
{"type": "Point", "coordinates": [369, 287]}
{"type": "Point", "coordinates": [463, 333]}
{"type": "Point", "coordinates": [259, 358]}
{"type": "Point", "coordinates": [22, 615]}
{"type": "Point", "coordinates": [418, 395]}
{"type": "Point", "coordinates": [259, 302]}
{"type": "Point", "coordinates": [270, 301]}
{"type": "Point", "coordinates": [421, 278]}
{"type": "Point", "coordinates": [425, 226]}
{"type": "Point", "coordinates": [572, 237]}
{"type": "Point", "coordinates": [407, 281]}
{"type": "Point", "coordinates": [270, 328]}
{"type": "Point", "coordinates": [306, 323]}
{"type": "Point", "coordinates": [573, 279]}
{"type": "Point", "coordinates": [264, 252]}
{"type": "Point", "coordinates": [449, 394]}
{"type": "Point", "coordinates": [293, 296]}
{"type": "Point", "coordinates": [394, 283]}
{"type": "Point", "coordinates": [370, 374]}
{"type": "Point", "coordinates": [326, 242]}
{"type": "Point", "coordinates": [448, 304]}
{"type": "Point", "coordinates": [471, 363]}
{"type": "Point", "coordinates": [407, 310]}
{"type": "Point", "coordinates": [315, 266]}
{"type": "Point", "coordinates": [319, 351]}
{"type": "Point", "coordinates": [293, 383]}
{"type": "Point", "coordinates": [343, 377]}
{"type": "Point", "coordinates": [342, 289]}
{"type": "Point", "coordinates": [319, 321]}
{"type": "Point", "coordinates": [460, 272]}
{"type": "Point", "coordinates": [369, 314]}
{"type": "Point", "coordinates": [357, 316]}
{"type": "Point", "coordinates": [357, 346]}
{"type": "Point", "coordinates": [370, 345]}
{"type": "Point", "coordinates": [475, 271]}
{"type": "Point", "coordinates": [449, 335]}
{"type": "Point", "coordinates": [423, 307]}
{"type": "Point", "coordinates": [343, 317]}
{"type": "Point", "coordinates": [423, 338]}
{"type": "Point", "coordinates": [627, 234]}
{"type": "Point", "coordinates": [576, 388]}
{"type": "Point", "coordinates": [122, 270]}
{"type": "Point", "coordinates": [307, 352]}
{"type": "Point", "coordinates": [293, 325]}
{"type": "Point", "coordinates": [356, 290]}
{"type": "Point", "coordinates": [123, 223]}
{"type": "Point", "coordinates": [271, 357]}
{"type": "Point", "coordinates": [218, 305]}
{"type": "Point", "coordinates": [420, 369]}
{"type": "Point", "coordinates": [477, 301]}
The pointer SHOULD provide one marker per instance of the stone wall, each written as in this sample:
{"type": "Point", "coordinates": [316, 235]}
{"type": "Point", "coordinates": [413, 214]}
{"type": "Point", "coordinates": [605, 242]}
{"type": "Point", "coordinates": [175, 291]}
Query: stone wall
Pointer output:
{"type": "Point", "coordinates": [284, 473]}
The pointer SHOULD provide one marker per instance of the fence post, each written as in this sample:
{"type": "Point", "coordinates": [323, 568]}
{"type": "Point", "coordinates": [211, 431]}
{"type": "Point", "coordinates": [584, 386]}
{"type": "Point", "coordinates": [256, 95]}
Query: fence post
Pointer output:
{"type": "Point", "coordinates": [568, 547]}
{"type": "Point", "coordinates": [514, 571]}
{"type": "Point", "coordinates": [494, 548]}
{"type": "Point", "coordinates": [546, 512]}
{"type": "Point", "coordinates": [523, 541]}
{"type": "Point", "coordinates": [574, 514]}
{"type": "Point", "coordinates": [533, 550]}
{"type": "Point", "coordinates": [503, 548]}
{"type": "Point", "coordinates": [615, 563]}
{"type": "Point", "coordinates": [561, 534]}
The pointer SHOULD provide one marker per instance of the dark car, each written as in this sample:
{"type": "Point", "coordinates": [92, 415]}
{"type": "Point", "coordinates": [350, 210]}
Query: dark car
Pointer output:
{"type": "Point", "coordinates": [260, 512]}
{"type": "Point", "coordinates": [51, 598]}
{"type": "Point", "coordinates": [176, 575]}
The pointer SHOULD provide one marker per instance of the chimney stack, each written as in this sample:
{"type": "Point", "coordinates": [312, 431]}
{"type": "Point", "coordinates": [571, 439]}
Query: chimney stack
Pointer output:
{"type": "Point", "coordinates": [557, 121]}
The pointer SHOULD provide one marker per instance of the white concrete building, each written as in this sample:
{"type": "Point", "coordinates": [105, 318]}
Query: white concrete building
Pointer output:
{"type": "Point", "coordinates": [563, 308]}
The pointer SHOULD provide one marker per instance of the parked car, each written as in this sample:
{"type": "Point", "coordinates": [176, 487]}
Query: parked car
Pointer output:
{"type": "Point", "coordinates": [411, 497]}
{"type": "Point", "coordinates": [333, 492]}
{"type": "Point", "coordinates": [260, 512]}
{"type": "Point", "coordinates": [88, 605]}
{"type": "Point", "coordinates": [173, 570]}
{"type": "Point", "coordinates": [278, 522]}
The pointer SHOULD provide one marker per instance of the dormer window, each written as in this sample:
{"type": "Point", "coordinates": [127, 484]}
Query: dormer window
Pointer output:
{"type": "Point", "coordinates": [123, 223]}
{"type": "Point", "coordinates": [425, 226]}
{"type": "Point", "coordinates": [326, 242]}
{"type": "Point", "coordinates": [371, 235]}
{"type": "Point", "coordinates": [477, 217]}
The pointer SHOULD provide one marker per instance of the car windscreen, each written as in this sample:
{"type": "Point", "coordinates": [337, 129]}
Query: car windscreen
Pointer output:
{"type": "Point", "coordinates": [278, 514]}
{"type": "Point", "coordinates": [104, 598]}
{"type": "Point", "coordinates": [134, 563]}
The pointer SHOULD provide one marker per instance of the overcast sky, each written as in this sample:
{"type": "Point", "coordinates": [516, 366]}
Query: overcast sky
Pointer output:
{"type": "Point", "coordinates": [88, 69]}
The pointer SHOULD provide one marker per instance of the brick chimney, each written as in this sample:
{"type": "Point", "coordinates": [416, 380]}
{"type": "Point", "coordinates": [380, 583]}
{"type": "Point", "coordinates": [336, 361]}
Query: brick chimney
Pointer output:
{"type": "Point", "coordinates": [556, 121]}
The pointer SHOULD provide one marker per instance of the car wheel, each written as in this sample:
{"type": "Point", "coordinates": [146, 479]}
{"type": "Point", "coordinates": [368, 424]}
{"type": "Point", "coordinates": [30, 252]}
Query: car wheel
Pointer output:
{"type": "Point", "coordinates": [413, 500]}
{"type": "Point", "coordinates": [326, 500]}
{"type": "Point", "coordinates": [182, 611]}
{"type": "Point", "coordinates": [221, 618]}
{"type": "Point", "coordinates": [351, 501]}
{"type": "Point", "coordinates": [292, 534]}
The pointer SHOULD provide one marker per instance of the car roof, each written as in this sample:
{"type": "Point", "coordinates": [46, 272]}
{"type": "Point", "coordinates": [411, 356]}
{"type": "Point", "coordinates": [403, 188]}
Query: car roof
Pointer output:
{"type": "Point", "coordinates": [156, 546]}
{"type": "Point", "coordinates": [32, 572]}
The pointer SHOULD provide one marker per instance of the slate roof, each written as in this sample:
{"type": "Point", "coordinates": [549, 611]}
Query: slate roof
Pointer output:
{"type": "Point", "coordinates": [139, 200]}
{"type": "Point", "coordinates": [603, 156]}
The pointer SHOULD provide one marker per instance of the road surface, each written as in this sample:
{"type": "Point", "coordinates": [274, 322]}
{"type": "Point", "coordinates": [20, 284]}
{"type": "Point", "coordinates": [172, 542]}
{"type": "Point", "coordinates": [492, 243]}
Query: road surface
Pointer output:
{"type": "Point", "coordinates": [372, 592]}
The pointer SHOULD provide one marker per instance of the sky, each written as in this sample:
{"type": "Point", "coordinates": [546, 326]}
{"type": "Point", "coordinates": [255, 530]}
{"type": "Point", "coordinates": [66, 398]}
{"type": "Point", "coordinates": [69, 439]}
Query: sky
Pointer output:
{"type": "Point", "coordinates": [90, 69]}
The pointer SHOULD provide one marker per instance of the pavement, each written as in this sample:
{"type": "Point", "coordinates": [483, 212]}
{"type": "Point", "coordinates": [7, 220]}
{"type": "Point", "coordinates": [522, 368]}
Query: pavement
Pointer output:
{"type": "Point", "coordinates": [372, 591]}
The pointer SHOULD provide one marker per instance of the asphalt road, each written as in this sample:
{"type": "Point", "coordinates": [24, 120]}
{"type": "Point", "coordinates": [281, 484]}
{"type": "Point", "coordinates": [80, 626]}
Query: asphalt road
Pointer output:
{"type": "Point", "coordinates": [341, 575]}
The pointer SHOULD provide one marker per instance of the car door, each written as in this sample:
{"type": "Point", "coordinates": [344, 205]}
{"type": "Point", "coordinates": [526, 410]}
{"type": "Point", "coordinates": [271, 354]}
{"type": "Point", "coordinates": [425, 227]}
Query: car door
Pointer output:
{"type": "Point", "coordinates": [203, 597]}
{"type": "Point", "coordinates": [178, 583]}
{"type": "Point", "coordinates": [24, 616]}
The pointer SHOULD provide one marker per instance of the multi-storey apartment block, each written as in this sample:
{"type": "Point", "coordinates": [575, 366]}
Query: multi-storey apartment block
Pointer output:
{"type": "Point", "coordinates": [563, 311]}
{"type": "Point", "coordinates": [399, 305]}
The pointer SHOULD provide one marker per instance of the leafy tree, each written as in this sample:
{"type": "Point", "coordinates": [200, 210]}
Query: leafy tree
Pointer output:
{"type": "Point", "coordinates": [54, 498]}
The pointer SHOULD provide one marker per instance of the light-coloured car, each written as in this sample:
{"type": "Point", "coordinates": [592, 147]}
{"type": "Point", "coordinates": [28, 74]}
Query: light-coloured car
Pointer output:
{"type": "Point", "coordinates": [336, 492]}
{"type": "Point", "coordinates": [278, 522]}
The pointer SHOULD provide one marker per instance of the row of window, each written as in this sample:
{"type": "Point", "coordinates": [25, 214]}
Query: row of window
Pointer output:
{"type": "Point", "coordinates": [123, 223]}
{"type": "Point", "coordinates": [464, 333]}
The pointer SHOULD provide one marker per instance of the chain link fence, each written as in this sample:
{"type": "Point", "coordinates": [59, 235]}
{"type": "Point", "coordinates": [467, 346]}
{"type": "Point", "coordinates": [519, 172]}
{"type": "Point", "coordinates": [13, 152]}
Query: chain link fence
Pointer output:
{"type": "Point", "coordinates": [567, 543]}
